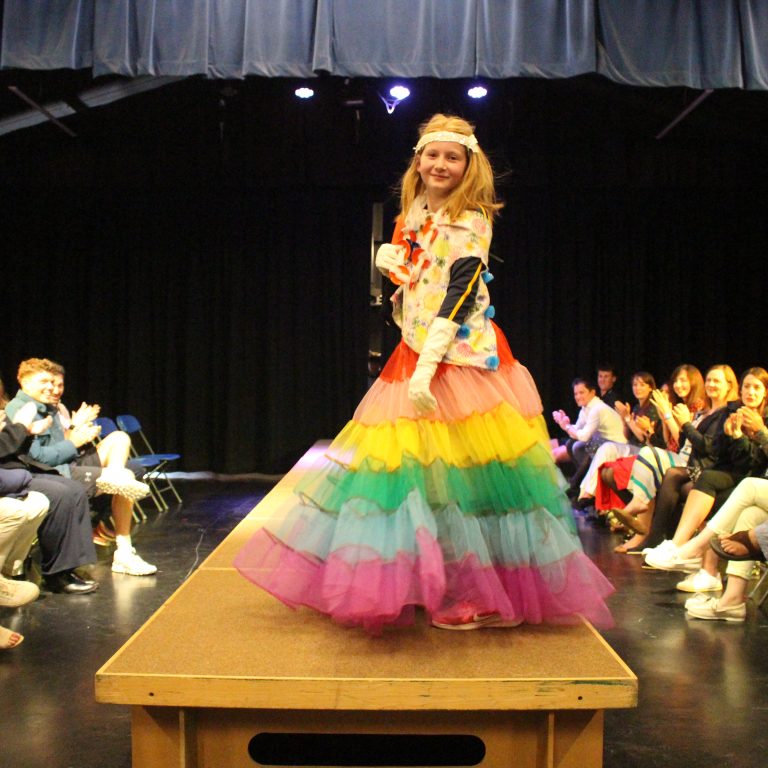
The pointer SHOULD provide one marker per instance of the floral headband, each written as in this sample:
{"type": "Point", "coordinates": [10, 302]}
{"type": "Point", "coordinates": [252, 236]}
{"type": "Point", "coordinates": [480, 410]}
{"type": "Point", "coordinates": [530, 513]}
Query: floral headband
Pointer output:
{"type": "Point", "coordinates": [470, 142]}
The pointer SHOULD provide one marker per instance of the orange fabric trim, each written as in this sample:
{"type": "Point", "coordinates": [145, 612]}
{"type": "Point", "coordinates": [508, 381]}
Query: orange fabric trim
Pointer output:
{"type": "Point", "coordinates": [402, 362]}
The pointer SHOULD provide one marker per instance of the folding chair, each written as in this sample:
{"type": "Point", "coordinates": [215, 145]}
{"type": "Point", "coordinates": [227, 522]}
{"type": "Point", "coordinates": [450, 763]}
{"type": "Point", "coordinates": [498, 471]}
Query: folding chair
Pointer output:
{"type": "Point", "coordinates": [108, 426]}
{"type": "Point", "coordinates": [761, 571]}
{"type": "Point", "coordinates": [155, 463]}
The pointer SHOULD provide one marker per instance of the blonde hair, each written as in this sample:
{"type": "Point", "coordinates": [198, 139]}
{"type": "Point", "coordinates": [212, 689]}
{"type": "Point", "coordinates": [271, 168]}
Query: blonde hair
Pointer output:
{"type": "Point", "coordinates": [35, 365]}
{"type": "Point", "coordinates": [730, 379]}
{"type": "Point", "coordinates": [476, 189]}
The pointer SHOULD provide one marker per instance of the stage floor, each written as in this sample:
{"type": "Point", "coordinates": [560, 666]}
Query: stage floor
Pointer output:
{"type": "Point", "coordinates": [694, 676]}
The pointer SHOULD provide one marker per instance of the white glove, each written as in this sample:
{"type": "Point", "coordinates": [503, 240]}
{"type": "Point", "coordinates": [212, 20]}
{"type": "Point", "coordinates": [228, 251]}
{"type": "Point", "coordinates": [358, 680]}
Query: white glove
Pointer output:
{"type": "Point", "coordinates": [439, 337]}
{"type": "Point", "coordinates": [389, 257]}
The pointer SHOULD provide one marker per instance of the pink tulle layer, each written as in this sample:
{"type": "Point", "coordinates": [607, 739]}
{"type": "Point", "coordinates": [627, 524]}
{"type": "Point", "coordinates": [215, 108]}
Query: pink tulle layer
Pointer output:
{"type": "Point", "coordinates": [360, 589]}
{"type": "Point", "coordinates": [459, 391]}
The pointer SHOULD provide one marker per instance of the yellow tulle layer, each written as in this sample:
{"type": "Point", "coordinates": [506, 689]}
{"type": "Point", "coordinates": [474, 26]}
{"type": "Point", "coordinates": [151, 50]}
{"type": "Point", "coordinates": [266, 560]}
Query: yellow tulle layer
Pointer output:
{"type": "Point", "coordinates": [501, 434]}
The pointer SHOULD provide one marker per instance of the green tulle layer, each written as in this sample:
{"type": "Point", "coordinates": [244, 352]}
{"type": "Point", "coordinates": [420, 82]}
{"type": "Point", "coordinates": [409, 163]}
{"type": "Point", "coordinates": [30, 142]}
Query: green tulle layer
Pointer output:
{"type": "Point", "coordinates": [529, 483]}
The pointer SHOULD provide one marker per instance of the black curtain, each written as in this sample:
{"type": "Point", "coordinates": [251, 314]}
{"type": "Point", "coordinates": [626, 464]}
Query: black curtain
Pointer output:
{"type": "Point", "coordinates": [233, 325]}
{"type": "Point", "coordinates": [201, 259]}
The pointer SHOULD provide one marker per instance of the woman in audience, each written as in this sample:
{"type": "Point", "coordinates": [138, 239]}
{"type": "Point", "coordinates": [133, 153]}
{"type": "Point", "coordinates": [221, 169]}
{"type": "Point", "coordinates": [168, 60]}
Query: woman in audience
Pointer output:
{"type": "Point", "coordinates": [692, 417]}
{"type": "Point", "coordinates": [741, 450]}
{"type": "Point", "coordinates": [642, 426]}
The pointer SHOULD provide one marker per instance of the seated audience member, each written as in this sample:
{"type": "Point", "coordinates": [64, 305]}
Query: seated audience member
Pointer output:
{"type": "Point", "coordinates": [741, 450]}
{"type": "Point", "coordinates": [728, 533]}
{"type": "Point", "coordinates": [3, 395]}
{"type": "Point", "coordinates": [596, 424]}
{"type": "Point", "coordinates": [21, 512]}
{"type": "Point", "coordinates": [606, 383]}
{"type": "Point", "coordinates": [655, 521]}
{"type": "Point", "coordinates": [628, 486]}
{"type": "Point", "coordinates": [64, 535]}
{"type": "Point", "coordinates": [74, 455]}
{"type": "Point", "coordinates": [642, 426]}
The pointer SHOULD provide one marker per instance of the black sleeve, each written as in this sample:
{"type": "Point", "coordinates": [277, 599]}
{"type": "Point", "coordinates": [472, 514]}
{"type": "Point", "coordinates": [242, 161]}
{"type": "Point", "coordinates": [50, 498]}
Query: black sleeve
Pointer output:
{"type": "Point", "coordinates": [13, 438]}
{"type": "Point", "coordinates": [702, 438]}
{"type": "Point", "coordinates": [462, 289]}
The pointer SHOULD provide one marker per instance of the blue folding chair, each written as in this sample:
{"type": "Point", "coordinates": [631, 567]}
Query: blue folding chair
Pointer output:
{"type": "Point", "coordinates": [155, 463]}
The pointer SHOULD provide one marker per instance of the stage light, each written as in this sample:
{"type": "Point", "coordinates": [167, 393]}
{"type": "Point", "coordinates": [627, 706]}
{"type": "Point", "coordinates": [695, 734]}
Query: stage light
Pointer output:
{"type": "Point", "coordinates": [396, 94]}
{"type": "Point", "coordinates": [304, 93]}
{"type": "Point", "coordinates": [477, 92]}
{"type": "Point", "coordinates": [399, 92]}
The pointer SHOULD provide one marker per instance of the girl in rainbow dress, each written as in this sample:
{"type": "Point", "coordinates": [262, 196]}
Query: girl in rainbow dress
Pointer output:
{"type": "Point", "coordinates": [441, 491]}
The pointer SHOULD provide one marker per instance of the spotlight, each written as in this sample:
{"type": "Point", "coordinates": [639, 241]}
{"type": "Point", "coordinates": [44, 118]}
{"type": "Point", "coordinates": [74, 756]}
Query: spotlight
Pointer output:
{"type": "Point", "coordinates": [399, 92]}
{"type": "Point", "coordinates": [396, 94]}
{"type": "Point", "coordinates": [477, 92]}
{"type": "Point", "coordinates": [304, 93]}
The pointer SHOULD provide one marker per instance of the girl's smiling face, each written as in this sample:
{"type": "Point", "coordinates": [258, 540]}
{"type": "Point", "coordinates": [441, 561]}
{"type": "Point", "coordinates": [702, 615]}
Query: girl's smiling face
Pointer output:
{"type": "Point", "coordinates": [441, 166]}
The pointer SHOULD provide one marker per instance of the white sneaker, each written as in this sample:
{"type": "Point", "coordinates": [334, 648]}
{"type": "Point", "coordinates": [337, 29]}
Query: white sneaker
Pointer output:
{"type": "Point", "coordinates": [128, 562]}
{"type": "Point", "coordinates": [121, 482]}
{"type": "Point", "coordinates": [699, 597]}
{"type": "Point", "coordinates": [16, 593]}
{"type": "Point", "coordinates": [668, 559]}
{"type": "Point", "coordinates": [710, 609]}
{"type": "Point", "coordinates": [665, 545]}
{"type": "Point", "coordinates": [701, 581]}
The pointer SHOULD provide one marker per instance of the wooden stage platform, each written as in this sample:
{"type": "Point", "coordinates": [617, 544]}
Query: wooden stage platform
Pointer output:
{"type": "Point", "coordinates": [222, 662]}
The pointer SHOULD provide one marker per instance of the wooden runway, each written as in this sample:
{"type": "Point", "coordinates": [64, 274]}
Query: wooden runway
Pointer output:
{"type": "Point", "coordinates": [221, 662]}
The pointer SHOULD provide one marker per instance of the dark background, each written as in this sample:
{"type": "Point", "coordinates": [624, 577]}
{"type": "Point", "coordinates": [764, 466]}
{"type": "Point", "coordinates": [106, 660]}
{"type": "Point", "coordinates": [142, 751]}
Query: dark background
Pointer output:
{"type": "Point", "coordinates": [198, 255]}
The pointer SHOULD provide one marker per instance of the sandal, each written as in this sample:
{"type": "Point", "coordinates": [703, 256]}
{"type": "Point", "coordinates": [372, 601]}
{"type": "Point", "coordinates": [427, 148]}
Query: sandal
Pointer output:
{"type": "Point", "coordinates": [9, 639]}
{"type": "Point", "coordinates": [742, 539]}
{"type": "Point", "coordinates": [630, 521]}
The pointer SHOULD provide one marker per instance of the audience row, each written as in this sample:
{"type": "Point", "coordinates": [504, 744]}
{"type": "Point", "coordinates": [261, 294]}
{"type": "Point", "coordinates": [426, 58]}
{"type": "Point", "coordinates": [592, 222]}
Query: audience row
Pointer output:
{"type": "Point", "coordinates": [52, 464]}
{"type": "Point", "coordinates": [685, 478]}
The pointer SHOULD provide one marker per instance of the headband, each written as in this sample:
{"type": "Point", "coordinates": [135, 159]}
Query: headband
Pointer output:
{"type": "Point", "coordinates": [470, 142]}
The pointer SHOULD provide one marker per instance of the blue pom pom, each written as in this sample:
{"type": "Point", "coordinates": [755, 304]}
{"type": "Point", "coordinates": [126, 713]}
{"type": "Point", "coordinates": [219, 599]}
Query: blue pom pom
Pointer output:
{"type": "Point", "coordinates": [490, 312]}
{"type": "Point", "coordinates": [492, 362]}
{"type": "Point", "coordinates": [463, 332]}
{"type": "Point", "coordinates": [487, 277]}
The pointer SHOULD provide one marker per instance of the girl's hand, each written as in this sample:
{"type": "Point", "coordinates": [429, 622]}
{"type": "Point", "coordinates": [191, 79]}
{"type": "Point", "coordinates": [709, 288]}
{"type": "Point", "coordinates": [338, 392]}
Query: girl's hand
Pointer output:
{"type": "Point", "coordinates": [681, 413]}
{"type": "Point", "coordinates": [389, 257]}
{"type": "Point", "coordinates": [622, 409]}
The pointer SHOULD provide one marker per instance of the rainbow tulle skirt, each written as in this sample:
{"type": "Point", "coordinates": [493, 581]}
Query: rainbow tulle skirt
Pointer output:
{"type": "Point", "coordinates": [461, 510]}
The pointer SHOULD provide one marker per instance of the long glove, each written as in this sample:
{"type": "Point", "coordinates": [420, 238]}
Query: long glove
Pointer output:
{"type": "Point", "coordinates": [439, 337]}
{"type": "Point", "coordinates": [389, 257]}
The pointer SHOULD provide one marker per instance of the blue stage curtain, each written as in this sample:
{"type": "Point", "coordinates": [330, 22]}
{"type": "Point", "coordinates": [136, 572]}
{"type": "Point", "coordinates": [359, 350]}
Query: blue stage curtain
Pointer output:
{"type": "Point", "coordinates": [721, 44]}
{"type": "Point", "coordinates": [754, 23]}
{"type": "Point", "coordinates": [47, 34]}
{"type": "Point", "coordinates": [400, 38]}
{"type": "Point", "coordinates": [547, 38]}
{"type": "Point", "coordinates": [663, 43]}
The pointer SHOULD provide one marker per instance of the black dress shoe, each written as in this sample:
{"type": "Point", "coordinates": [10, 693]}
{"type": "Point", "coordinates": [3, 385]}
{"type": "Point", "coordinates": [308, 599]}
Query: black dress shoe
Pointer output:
{"type": "Point", "coordinates": [69, 583]}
